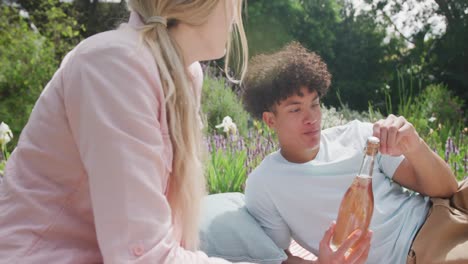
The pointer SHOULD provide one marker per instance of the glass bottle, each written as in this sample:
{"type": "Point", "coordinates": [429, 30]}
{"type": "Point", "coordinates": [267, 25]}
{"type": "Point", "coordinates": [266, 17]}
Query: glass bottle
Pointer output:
{"type": "Point", "coordinates": [357, 204]}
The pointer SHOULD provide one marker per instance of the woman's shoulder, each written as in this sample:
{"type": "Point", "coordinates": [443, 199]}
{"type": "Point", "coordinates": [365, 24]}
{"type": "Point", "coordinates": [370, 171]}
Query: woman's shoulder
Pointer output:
{"type": "Point", "coordinates": [122, 42]}
{"type": "Point", "coordinates": [112, 62]}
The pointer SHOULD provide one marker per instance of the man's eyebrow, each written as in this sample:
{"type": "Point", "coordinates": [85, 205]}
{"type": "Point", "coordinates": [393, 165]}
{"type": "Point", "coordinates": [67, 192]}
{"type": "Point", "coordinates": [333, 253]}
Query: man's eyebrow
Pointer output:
{"type": "Point", "coordinates": [292, 103]}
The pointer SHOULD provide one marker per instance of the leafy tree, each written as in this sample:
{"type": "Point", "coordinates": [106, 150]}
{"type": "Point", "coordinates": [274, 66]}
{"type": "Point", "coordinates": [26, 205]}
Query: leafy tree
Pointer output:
{"type": "Point", "coordinates": [56, 21]}
{"type": "Point", "coordinates": [451, 51]}
{"type": "Point", "coordinates": [99, 16]}
{"type": "Point", "coordinates": [269, 24]}
{"type": "Point", "coordinates": [26, 64]}
{"type": "Point", "coordinates": [352, 45]}
{"type": "Point", "coordinates": [440, 56]}
{"type": "Point", "coordinates": [362, 64]}
{"type": "Point", "coordinates": [316, 25]}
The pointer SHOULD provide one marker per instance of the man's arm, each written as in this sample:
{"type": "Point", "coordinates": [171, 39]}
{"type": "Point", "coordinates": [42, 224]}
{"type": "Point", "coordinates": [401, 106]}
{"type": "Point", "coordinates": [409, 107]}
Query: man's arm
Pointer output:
{"type": "Point", "coordinates": [422, 170]}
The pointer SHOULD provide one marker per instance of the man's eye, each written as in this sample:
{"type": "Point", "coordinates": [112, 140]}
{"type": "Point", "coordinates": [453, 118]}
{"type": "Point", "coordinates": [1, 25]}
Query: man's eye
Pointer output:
{"type": "Point", "coordinates": [295, 110]}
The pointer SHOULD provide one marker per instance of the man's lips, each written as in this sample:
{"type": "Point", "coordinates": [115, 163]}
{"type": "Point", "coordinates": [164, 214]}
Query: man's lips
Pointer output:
{"type": "Point", "coordinates": [312, 132]}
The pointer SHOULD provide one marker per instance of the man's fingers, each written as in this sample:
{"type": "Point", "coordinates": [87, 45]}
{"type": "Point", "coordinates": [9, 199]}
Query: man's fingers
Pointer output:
{"type": "Point", "coordinates": [363, 257]}
{"type": "Point", "coordinates": [348, 243]}
{"type": "Point", "coordinates": [327, 237]}
{"type": "Point", "coordinates": [404, 131]}
{"type": "Point", "coordinates": [393, 131]}
{"type": "Point", "coordinates": [376, 129]}
{"type": "Point", "coordinates": [361, 251]}
{"type": "Point", "coordinates": [386, 130]}
{"type": "Point", "coordinates": [383, 140]}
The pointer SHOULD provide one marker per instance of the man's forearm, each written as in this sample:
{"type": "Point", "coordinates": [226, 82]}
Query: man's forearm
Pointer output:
{"type": "Point", "coordinates": [432, 173]}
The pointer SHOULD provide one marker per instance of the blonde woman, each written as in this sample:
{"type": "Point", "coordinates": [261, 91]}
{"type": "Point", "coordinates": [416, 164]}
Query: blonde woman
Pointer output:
{"type": "Point", "coordinates": [108, 167]}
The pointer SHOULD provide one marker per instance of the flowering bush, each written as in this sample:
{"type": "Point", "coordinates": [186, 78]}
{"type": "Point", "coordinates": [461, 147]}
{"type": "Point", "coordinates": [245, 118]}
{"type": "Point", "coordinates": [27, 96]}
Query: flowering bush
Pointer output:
{"type": "Point", "coordinates": [219, 101]}
{"type": "Point", "coordinates": [456, 156]}
{"type": "Point", "coordinates": [5, 136]}
{"type": "Point", "coordinates": [232, 156]}
{"type": "Point", "coordinates": [228, 126]}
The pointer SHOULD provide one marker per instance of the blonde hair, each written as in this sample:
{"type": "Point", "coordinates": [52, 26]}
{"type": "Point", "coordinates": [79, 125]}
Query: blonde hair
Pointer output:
{"type": "Point", "coordinates": [187, 182]}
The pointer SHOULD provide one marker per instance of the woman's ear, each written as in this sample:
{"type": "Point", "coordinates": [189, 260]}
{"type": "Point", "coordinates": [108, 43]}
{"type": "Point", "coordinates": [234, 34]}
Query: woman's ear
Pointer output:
{"type": "Point", "coordinates": [269, 119]}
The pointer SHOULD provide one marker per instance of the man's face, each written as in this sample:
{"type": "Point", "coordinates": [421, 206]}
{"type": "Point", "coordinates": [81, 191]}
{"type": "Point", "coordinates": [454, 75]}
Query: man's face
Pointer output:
{"type": "Point", "coordinates": [297, 121]}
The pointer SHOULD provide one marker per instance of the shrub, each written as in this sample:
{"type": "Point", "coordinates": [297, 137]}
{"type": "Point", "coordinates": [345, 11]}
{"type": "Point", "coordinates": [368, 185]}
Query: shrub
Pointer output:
{"type": "Point", "coordinates": [218, 101]}
{"type": "Point", "coordinates": [335, 117]}
{"type": "Point", "coordinates": [27, 63]}
{"type": "Point", "coordinates": [233, 158]}
{"type": "Point", "coordinates": [439, 102]}
{"type": "Point", "coordinates": [437, 114]}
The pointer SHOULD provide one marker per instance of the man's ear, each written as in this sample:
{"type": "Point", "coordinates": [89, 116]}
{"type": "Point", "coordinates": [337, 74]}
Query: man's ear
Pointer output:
{"type": "Point", "coordinates": [269, 119]}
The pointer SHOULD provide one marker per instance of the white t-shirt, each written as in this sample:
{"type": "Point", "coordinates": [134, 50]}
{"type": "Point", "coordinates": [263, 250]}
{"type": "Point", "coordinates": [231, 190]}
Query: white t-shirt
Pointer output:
{"type": "Point", "coordinates": [301, 200]}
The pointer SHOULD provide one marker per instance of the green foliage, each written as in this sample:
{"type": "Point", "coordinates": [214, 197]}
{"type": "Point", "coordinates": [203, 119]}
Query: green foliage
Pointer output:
{"type": "Point", "coordinates": [266, 29]}
{"type": "Point", "coordinates": [27, 63]}
{"type": "Point", "coordinates": [437, 114]}
{"type": "Point", "coordinates": [352, 45]}
{"type": "Point", "coordinates": [408, 86]}
{"type": "Point", "coordinates": [99, 16]}
{"type": "Point", "coordinates": [362, 56]}
{"type": "Point", "coordinates": [457, 158]}
{"type": "Point", "coordinates": [316, 26]}
{"type": "Point", "coordinates": [2, 169]}
{"type": "Point", "coordinates": [442, 56]}
{"type": "Point", "coordinates": [233, 158]}
{"type": "Point", "coordinates": [361, 66]}
{"type": "Point", "coordinates": [57, 22]}
{"type": "Point", "coordinates": [427, 108]}
{"type": "Point", "coordinates": [439, 102]}
{"type": "Point", "coordinates": [449, 53]}
{"type": "Point", "coordinates": [4, 154]}
{"type": "Point", "coordinates": [226, 171]}
{"type": "Point", "coordinates": [218, 101]}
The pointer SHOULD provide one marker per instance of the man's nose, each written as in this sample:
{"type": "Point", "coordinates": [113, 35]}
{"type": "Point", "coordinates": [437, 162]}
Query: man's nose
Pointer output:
{"type": "Point", "coordinates": [310, 117]}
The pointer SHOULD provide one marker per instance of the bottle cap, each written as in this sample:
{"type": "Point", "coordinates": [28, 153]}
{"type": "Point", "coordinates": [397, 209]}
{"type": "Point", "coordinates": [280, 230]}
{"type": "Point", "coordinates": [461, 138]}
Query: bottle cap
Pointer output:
{"type": "Point", "coordinates": [373, 140]}
{"type": "Point", "coordinates": [373, 144]}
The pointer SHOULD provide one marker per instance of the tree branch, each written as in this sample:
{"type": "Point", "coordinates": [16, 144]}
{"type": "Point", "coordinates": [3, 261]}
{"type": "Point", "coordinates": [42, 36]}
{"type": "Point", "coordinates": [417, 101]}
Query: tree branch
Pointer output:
{"type": "Point", "coordinates": [388, 19]}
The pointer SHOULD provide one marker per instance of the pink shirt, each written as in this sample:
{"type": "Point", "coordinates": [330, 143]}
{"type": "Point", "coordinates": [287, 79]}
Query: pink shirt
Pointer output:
{"type": "Point", "coordinates": [87, 181]}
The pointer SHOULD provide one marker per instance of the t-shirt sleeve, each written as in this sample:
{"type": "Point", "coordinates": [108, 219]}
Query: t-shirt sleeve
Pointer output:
{"type": "Point", "coordinates": [259, 203]}
{"type": "Point", "coordinates": [389, 164]}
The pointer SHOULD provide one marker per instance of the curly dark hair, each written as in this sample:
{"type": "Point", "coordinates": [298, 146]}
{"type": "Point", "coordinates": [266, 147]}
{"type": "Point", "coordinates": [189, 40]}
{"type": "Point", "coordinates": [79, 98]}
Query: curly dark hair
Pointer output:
{"type": "Point", "coordinates": [274, 77]}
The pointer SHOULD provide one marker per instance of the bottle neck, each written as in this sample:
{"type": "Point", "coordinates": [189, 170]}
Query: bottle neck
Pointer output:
{"type": "Point", "coordinates": [367, 165]}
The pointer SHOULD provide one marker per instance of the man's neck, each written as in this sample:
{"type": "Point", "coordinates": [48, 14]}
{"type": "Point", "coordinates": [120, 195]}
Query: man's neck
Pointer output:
{"type": "Point", "coordinates": [301, 156]}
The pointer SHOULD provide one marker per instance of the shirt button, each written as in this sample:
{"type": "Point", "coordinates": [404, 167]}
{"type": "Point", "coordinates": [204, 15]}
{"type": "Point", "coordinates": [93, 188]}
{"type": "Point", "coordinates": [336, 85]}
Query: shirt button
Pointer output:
{"type": "Point", "coordinates": [138, 250]}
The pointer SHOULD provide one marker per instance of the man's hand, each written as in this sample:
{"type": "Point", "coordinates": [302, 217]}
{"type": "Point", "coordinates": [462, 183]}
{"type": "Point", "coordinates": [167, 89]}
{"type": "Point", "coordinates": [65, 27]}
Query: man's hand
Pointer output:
{"type": "Point", "coordinates": [397, 136]}
{"type": "Point", "coordinates": [344, 254]}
